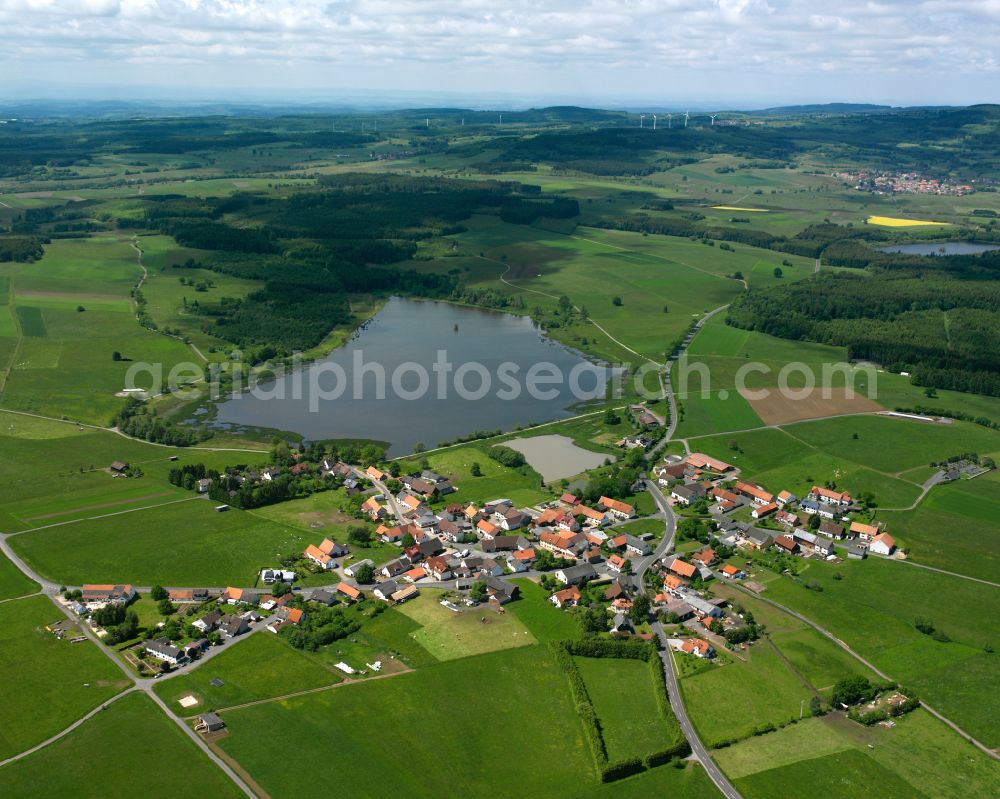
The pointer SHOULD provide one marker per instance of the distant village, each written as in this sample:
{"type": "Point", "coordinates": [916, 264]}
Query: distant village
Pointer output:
{"type": "Point", "coordinates": [903, 182]}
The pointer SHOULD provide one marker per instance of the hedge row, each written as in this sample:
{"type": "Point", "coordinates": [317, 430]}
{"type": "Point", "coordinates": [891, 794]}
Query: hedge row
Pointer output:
{"type": "Point", "coordinates": [584, 706]}
{"type": "Point", "coordinates": [623, 650]}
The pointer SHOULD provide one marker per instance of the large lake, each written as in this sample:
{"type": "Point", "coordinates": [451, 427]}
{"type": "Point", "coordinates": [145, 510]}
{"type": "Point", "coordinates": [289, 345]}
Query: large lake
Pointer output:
{"type": "Point", "coordinates": [942, 248]}
{"type": "Point", "coordinates": [412, 332]}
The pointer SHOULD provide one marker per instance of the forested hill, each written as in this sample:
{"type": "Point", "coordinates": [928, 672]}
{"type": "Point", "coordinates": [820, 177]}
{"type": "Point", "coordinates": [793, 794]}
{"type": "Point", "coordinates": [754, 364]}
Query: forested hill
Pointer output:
{"type": "Point", "coordinates": [315, 247]}
{"type": "Point", "coordinates": [939, 320]}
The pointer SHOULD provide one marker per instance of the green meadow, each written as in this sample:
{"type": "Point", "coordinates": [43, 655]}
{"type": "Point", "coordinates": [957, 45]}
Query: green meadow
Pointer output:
{"type": "Point", "coordinates": [259, 667]}
{"type": "Point", "coordinates": [873, 606]}
{"type": "Point", "coordinates": [623, 698]}
{"type": "Point", "coordinates": [919, 750]}
{"type": "Point", "coordinates": [186, 543]}
{"type": "Point", "coordinates": [437, 739]}
{"type": "Point", "coordinates": [103, 758]}
{"type": "Point", "coordinates": [46, 683]}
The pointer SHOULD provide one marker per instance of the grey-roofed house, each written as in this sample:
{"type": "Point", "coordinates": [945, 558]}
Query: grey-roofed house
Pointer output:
{"type": "Point", "coordinates": [688, 493]}
{"type": "Point", "coordinates": [576, 574]}
{"type": "Point", "coordinates": [233, 626]}
{"type": "Point", "coordinates": [162, 649]}
{"type": "Point", "coordinates": [208, 622]}
{"type": "Point", "coordinates": [209, 722]}
{"type": "Point", "coordinates": [636, 546]}
{"type": "Point", "coordinates": [385, 590]}
{"type": "Point", "coordinates": [323, 597]}
{"type": "Point", "coordinates": [758, 539]}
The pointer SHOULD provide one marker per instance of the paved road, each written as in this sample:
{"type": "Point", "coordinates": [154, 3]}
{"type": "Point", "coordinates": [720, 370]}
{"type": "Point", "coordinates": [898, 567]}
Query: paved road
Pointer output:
{"type": "Point", "coordinates": [390, 499]}
{"type": "Point", "coordinates": [670, 674]}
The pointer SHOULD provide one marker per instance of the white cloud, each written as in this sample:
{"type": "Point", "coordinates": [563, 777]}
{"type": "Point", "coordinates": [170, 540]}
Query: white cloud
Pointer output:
{"type": "Point", "coordinates": [552, 43]}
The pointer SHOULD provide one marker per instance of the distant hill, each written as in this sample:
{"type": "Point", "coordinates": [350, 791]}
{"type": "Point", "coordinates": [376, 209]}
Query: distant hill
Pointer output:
{"type": "Point", "coordinates": [829, 108]}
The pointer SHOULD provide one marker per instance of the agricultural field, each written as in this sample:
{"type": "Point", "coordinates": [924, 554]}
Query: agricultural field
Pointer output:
{"type": "Point", "coordinates": [919, 750]}
{"type": "Point", "coordinates": [12, 582]}
{"type": "Point", "coordinates": [261, 666]}
{"type": "Point", "coordinates": [623, 698]}
{"type": "Point", "coordinates": [727, 702]}
{"type": "Point", "coordinates": [46, 683]}
{"type": "Point", "coordinates": [873, 607]}
{"type": "Point", "coordinates": [89, 762]}
{"type": "Point", "coordinates": [956, 528]}
{"type": "Point", "coordinates": [58, 472]}
{"type": "Point", "coordinates": [539, 762]}
{"type": "Point", "coordinates": [73, 310]}
{"type": "Point", "coordinates": [448, 634]}
{"type": "Point", "coordinates": [185, 543]}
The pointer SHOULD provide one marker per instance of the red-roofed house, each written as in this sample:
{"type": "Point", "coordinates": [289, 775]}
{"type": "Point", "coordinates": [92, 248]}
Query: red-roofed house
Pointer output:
{"type": "Point", "coordinates": [882, 544]}
{"type": "Point", "coordinates": [617, 508]}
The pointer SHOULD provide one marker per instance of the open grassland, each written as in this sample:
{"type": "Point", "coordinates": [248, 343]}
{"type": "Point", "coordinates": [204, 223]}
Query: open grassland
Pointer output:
{"type": "Point", "coordinates": [102, 759]}
{"type": "Point", "coordinates": [57, 472]}
{"type": "Point", "coordinates": [736, 359]}
{"type": "Point", "coordinates": [186, 543]}
{"type": "Point", "coordinates": [728, 701]}
{"type": "Point", "coordinates": [45, 684]}
{"type": "Point", "coordinates": [873, 608]}
{"type": "Point", "coordinates": [506, 689]}
{"type": "Point", "coordinates": [260, 667]}
{"type": "Point", "coordinates": [956, 527]}
{"type": "Point", "coordinates": [622, 694]}
{"type": "Point", "coordinates": [845, 775]}
{"type": "Point", "coordinates": [62, 364]}
{"type": "Point", "coordinates": [521, 485]}
{"type": "Point", "coordinates": [448, 634]}
{"type": "Point", "coordinates": [786, 459]}
{"type": "Point", "coordinates": [919, 749]}
{"type": "Point", "coordinates": [544, 621]}
{"type": "Point", "coordinates": [12, 582]}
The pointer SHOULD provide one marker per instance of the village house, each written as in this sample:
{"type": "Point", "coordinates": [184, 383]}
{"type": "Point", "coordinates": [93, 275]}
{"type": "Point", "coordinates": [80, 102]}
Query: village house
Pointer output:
{"type": "Point", "coordinates": [616, 563]}
{"type": "Point", "coordinates": [688, 493]}
{"type": "Point", "coordinates": [94, 596]}
{"type": "Point", "coordinates": [438, 568]}
{"type": "Point", "coordinates": [354, 568]}
{"type": "Point", "coordinates": [700, 461]}
{"type": "Point", "coordinates": [285, 617]}
{"type": "Point", "coordinates": [323, 597]}
{"type": "Point", "coordinates": [697, 647]}
{"type": "Point", "coordinates": [209, 722]}
{"type": "Point", "coordinates": [162, 649]}
{"type": "Point", "coordinates": [760, 511]}
{"type": "Point", "coordinates": [234, 596]}
{"type": "Point", "coordinates": [681, 568]}
{"type": "Point", "coordinates": [349, 592]}
{"type": "Point", "coordinates": [755, 493]}
{"type": "Point", "coordinates": [864, 532]}
{"type": "Point", "coordinates": [232, 626]}
{"type": "Point", "coordinates": [574, 575]}
{"type": "Point", "coordinates": [180, 596]}
{"type": "Point", "coordinates": [569, 500]}
{"type": "Point", "coordinates": [787, 544]}
{"type": "Point", "coordinates": [208, 622]}
{"type": "Point", "coordinates": [832, 530]}
{"type": "Point", "coordinates": [882, 544]}
{"type": "Point", "coordinates": [566, 598]}
{"type": "Point", "coordinates": [757, 539]}
{"type": "Point", "coordinates": [785, 498]}
{"type": "Point", "coordinates": [270, 576]}
{"type": "Point", "coordinates": [824, 510]}
{"type": "Point", "coordinates": [487, 529]}
{"type": "Point", "coordinates": [829, 497]}
{"type": "Point", "coordinates": [732, 572]}
{"type": "Point", "coordinates": [636, 546]}
{"type": "Point", "coordinates": [618, 509]}
{"type": "Point", "coordinates": [373, 508]}
{"type": "Point", "coordinates": [375, 474]}
{"type": "Point", "coordinates": [591, 517]}
{"type": "Point", "coordinates": [500, 592]}
{"type": "Point", "coordinates": [706, 556]}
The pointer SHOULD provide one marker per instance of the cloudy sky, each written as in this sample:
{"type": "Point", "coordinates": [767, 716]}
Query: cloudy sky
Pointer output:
{"type": "Point", "coordinates": [733, 53]}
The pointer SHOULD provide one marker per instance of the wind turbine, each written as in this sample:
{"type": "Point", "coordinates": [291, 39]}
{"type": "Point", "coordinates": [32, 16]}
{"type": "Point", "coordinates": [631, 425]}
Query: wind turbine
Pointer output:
{"type": "Point", "coordinates": [687, 116]}
{"type": "Point", "coordinates": [713, 118]}
{"type": "Point", "coordinates": [427, 122]}
{"type": "Point", "coordinates": [641, 118]}
{"type": "Point", "coordinates": [501, 119]}
{"type": "Point", "coordinates": [654, 121]}
{"type": "Point", "coordinates": [670, 121]}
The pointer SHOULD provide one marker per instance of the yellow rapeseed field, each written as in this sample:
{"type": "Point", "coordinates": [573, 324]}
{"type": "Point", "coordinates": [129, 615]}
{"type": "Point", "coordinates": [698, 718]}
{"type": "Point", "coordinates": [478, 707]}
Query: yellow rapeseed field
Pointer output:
{"type": "Point", "coordinates": [895, 221]}
{"type": "Point", "coordinates": [737, 208]}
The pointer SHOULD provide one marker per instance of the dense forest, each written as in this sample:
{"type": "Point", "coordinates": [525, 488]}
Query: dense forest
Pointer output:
{"type": "Point", "coordinates": [316, 247]}
{"type": "Point", "coordinates": [939, 320]}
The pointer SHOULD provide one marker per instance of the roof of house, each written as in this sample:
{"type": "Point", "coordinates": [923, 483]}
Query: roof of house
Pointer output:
{"type": "Point", "coordinates": [763, 510]}
{"type": "Point", "coordinates": [317, 554]}
{"type": "Point", "coordinates": [616, 505]}
{"type": "Point", "coordinates": [569, 499]}
{"type": "Point", "coordinates": [754, 491]}
{"type": "Point", "coordinates": [487, 527]}
{"type": "Point", "coordinates": [702, 461]}
{"type": "Point", "coordinates": [678, 566]}
{"type": "Point", "coordinates": [706, 555]}
{"type": "Point", "coordinates": [826, 493]}
{"type": "Point", "coordinates": [571, 594]}
{"type": "Point", "coordinates": [864, 529]}
{"type": "Point", "coordinates": [696, 646]}
{"type": "Point", "coordinates": [884, 538]}
{"type": "Point", "coordinates": [785, 542]}
{"type": "Point", "coordinates": [730, 570]}
{"type": "Point", "coordinates": [349, 590]}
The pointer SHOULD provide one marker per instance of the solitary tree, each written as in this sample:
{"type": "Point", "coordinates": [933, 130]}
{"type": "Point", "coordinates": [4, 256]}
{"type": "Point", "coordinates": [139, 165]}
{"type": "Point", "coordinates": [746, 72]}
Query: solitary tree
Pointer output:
{"type": "Point", "coordinates": [116, 356]}
{"type": "Point", "coordinates": [778, 272]}
{"type": "Point", "coordinates": [616, 300]}
{"type": "Point", "coordinates": [476, 470]}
